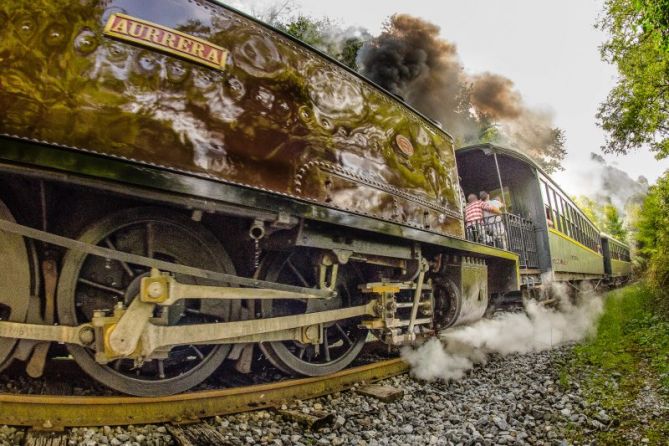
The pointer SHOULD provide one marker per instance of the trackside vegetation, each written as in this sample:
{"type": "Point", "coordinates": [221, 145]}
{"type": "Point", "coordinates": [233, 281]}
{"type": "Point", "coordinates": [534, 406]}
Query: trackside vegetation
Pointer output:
{"type": "Point", "coordinates": [624, 369]}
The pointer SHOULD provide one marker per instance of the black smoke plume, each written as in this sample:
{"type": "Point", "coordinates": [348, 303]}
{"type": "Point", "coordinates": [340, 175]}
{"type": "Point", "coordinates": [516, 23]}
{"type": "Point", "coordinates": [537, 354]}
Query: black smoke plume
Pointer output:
{"type": "Point", "coordinates": [410, 60]}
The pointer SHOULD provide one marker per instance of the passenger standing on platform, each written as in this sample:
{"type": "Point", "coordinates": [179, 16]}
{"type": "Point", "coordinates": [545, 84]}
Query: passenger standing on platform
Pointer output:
{"type": "Point", "coordinates": [495, 231]}
{"type": "Point", "coordinates": [473, 217]}
{"type": "Point", "coordinates": [490, 208]}
{"type": "Point", "coordinates": [499, 230]}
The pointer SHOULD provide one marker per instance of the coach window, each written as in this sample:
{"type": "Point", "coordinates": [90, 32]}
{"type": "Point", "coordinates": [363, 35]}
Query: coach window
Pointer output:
{"type": "Point", "coordinates": [567, 217]}
{"type": "Point", "coordinates": [547, 204]}
{"type": "Point", "coordinates": [563, 214]}
{"type": "Point", "coordinates": [554, 209]}
{"type": "Point", "coordinates": [563, 221]}
{"type": "Point", "coordinates": [591, 238]}
{"type": "Point", "coordinates": [577, 226]}
{"type": "Point", "coordinates": [572, 219]}
{"type": "Point", "coordinates": [587, 232]}
{"type": "Point", "coordinates": [581, 229]}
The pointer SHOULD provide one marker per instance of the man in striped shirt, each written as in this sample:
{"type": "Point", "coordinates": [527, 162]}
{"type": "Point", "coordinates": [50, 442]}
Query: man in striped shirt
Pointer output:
{"type": "Point", "coordinates": [474, 213]}
{"type": "Point", "coordinates": [473, 210]}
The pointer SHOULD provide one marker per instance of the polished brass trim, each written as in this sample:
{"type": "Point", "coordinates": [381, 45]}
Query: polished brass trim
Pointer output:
{"type": "Point", "coordinates": [167, 40]}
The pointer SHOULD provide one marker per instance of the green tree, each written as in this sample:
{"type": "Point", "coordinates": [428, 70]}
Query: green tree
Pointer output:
{"type": "Point", "coordinates": [636, 111]}
{"type": "Point", "coordinates": [653, 236]}
{"type": "Point", "coordinates": [325, 36]}
{"type": "Point", "coordinates": [309, 30]}
{"type": "Point", "coordinates": [593, 210]}
{"type": "Point", "coordinates": [613, 223]}
{"type": "Point", "coordinates": [553, 152]}
{"type": "Point", "coordinates": [655, 18]}
{"type": "Point", "coordinates": [349, 52]}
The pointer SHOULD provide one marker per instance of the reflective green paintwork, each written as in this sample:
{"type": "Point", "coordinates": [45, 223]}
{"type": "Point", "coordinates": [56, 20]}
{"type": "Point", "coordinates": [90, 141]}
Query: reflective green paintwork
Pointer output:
{"type": "Point", "coordinates": [280, 117]}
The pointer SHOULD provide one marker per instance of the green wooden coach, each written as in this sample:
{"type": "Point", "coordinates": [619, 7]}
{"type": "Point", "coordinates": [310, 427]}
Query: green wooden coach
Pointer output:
{"type": "Point", "coordinates": [555, 240]}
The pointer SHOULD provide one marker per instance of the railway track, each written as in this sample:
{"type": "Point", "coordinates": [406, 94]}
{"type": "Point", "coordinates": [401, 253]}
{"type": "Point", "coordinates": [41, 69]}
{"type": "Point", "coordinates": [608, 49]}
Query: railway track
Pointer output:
{"type": "Point", "coordinates": [56, 412]}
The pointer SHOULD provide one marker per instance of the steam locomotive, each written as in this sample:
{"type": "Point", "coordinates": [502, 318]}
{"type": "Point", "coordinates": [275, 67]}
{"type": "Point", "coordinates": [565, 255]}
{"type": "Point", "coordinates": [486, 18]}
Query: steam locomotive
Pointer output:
{"type": "Point", "coordinates": [181, 185]}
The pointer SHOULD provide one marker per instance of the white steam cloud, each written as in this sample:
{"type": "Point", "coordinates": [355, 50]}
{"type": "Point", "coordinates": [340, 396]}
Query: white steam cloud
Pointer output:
{"type": "Point", "coordinates": [539, 328]}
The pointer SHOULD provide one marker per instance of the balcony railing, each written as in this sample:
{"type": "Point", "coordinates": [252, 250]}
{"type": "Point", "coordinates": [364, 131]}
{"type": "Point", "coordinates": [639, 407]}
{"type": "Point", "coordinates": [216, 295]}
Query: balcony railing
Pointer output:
{"type": "Point", "coordinates": [509, 232]}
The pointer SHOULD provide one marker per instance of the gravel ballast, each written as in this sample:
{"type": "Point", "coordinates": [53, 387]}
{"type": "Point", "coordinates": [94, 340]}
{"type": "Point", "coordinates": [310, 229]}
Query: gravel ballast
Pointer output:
{"type": "Point", "coordinates": [514, 399]}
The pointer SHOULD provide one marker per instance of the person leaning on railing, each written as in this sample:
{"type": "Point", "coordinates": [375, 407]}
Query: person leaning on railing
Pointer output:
{"type": "Point", "coordinates": [492, 210]}
{"type": "Point", "coordinates": [474, 217]}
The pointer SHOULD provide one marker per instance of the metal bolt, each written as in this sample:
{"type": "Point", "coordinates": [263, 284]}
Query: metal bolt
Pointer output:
{"type": "Point", "coordinates": [155, 290]}
{"type": "Point", "coordinates": [87, 335]}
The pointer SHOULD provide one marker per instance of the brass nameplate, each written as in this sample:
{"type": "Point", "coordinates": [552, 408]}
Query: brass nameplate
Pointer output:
{"type": "Point", "coordinates": [165, 39]}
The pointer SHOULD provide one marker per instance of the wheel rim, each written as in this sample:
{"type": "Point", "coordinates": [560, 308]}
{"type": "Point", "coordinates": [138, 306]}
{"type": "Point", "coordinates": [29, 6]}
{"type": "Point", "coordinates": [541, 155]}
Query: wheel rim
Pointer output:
{"type": "Point", "coordinates": [343, 340]}
{"type": "Point", "coordinates": [15, 283]}
{"type": "Point", "coordinates": [90, 283]}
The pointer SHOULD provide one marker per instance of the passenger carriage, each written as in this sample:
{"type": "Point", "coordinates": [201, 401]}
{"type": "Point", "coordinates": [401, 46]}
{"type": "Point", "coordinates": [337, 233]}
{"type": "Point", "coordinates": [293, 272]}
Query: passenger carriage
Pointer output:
{"type": "Point", "coordinates": [617, 261]}
{"type": "Point", "coordinates": [554, 239]}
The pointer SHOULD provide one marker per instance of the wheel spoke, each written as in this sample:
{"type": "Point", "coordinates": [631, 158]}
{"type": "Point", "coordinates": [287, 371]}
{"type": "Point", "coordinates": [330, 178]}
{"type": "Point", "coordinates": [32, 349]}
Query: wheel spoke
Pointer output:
{"type": "Point", "coordinates": [298, 274]}
{"type": "Point", "coordinates": [125, 266]}
{"type": "Point", "coordinates": [101, 286]}
{"type": "Point", "coordinates": [343, 334]}
{"type": "Point", "coordinates": [197, 352]}
{"type": "Point", "coordinates": [161, 368]}
{"type": "Point", "coordinates": [326, 345]}
{"type": "Point", "coordinates": [301, 353]}
{"type": "Point", "coordinates": [149, 240]}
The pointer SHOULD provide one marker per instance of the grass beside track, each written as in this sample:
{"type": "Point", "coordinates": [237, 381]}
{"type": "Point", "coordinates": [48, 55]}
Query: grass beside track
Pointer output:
{"type": "Point", "coordinates": [624, 369]}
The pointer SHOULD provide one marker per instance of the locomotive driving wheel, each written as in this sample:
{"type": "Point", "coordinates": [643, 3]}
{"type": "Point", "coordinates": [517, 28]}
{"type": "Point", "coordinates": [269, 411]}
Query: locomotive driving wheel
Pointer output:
{"type": "Point", "coordinates": [15, 283]}
{"type": "Point", "coordinates": [89, 283]}
{"type": "Point", "coordinates": [342, 340]}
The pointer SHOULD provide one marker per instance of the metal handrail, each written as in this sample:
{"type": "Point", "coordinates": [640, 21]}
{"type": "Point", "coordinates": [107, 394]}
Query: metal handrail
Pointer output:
{"type": "Point", "coordinates": [509, 232]}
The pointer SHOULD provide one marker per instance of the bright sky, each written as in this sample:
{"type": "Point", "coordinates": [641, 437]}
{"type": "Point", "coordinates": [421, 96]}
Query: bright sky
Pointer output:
{"type": "Point", "coordinates": [548, 48]}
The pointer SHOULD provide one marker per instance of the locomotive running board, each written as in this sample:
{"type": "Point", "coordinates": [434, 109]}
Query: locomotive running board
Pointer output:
{"type": "Point", "coordinates": [68, 243]}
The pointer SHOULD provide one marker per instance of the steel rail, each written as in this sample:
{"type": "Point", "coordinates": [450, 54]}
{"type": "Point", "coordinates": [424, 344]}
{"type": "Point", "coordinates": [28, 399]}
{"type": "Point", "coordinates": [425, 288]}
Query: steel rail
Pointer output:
{"type": "Point", "coordinates": [55, 412]}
